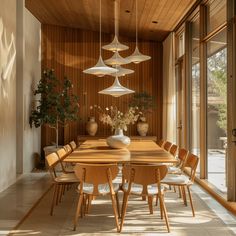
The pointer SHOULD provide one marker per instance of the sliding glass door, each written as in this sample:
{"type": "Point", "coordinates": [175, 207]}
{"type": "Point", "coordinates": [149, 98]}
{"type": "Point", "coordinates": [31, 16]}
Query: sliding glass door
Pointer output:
{"type": "Point", "coordinates": [217, 110]}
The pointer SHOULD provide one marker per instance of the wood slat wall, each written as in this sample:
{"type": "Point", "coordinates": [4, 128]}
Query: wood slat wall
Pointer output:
{"type": "Point", "coordinates": [69, 51]}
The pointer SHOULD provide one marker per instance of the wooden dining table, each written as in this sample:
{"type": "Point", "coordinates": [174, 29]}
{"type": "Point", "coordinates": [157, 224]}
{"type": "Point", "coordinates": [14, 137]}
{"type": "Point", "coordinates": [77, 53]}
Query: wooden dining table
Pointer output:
{"type": "Point", "coordinates": [139, 151]}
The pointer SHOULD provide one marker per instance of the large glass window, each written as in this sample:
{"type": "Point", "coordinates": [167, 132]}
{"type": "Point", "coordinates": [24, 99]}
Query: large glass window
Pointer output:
{"type": "Point", "coordinates": [216, 14]}
{"type": "Point", "coordinates": [195, 89]}
{"type": "Point", "coordinates": [217, 110]}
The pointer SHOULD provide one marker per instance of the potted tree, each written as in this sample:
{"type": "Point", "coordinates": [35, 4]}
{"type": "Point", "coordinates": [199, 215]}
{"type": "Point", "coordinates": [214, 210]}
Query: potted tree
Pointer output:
{"type": "Point", "coordinates": [56, 104]}
{"type": "Point", "coordinates": [146, 103]}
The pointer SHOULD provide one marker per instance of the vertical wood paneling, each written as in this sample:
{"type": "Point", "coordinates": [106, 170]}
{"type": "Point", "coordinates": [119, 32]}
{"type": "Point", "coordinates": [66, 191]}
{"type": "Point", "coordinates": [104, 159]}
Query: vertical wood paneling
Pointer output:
{"type": "Point", "coordinates": [69, 51]}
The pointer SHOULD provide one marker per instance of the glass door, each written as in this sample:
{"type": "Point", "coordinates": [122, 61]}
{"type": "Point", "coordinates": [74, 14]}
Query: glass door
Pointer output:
{"type": "Point", "coordinates": [217, 110]}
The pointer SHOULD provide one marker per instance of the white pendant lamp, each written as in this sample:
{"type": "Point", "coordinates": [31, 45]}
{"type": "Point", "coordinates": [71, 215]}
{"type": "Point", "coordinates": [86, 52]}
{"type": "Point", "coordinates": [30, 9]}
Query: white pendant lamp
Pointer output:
{"type": "Point", "coordinates": [100, 69]}
{"type": "Point", "coordinates": [122, 71]}
{"type": "Point", "coordinates": [117, 59]}
{"type": "Point", "coordinates": [137, 56]}
{"type": "Point", "coordinates": [115, 45]}
{"type": "Point", "coordinates": [116, 90]}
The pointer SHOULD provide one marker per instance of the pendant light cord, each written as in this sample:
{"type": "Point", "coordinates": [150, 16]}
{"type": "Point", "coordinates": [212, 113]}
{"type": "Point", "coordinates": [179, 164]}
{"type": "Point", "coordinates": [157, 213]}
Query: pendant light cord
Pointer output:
{"type": "Point", "coordinates": [136, 15]}
{"type": "Point", "coordinates": [100, 28]}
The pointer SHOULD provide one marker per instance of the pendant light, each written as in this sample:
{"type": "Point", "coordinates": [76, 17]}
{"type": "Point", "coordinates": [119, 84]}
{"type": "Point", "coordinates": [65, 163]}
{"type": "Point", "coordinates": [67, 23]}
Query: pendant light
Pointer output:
{"type": "Point", "coordinates": [116, 59]}
{"type": "Point", "coordinates": [122, 71]}
{"type": "Point", "coordinates": [137, 56]}
{"type": "Point", "coordinates": [116, 90]}
{"type": "Point", "coordinates": [115, 45]}
{"type": "Point", "coordinates": [100, 69]}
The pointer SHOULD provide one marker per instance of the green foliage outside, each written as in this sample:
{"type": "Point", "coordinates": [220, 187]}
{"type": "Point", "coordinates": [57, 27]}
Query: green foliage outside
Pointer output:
{"type": "Point", "coordinates": [218, 82]}
{"type": "Point", "coordinates": [56, 105]}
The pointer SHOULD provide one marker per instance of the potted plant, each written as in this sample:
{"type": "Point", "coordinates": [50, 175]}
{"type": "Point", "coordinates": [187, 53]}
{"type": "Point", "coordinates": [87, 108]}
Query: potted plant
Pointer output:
{"type": "Point", "coordinates": [146, 103]}
{"type": "Point", "coordinates": [56, 104]}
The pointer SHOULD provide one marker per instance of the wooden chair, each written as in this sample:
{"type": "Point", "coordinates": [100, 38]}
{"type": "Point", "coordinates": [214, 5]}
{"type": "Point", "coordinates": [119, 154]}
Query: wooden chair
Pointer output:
{"type": "Point", "coordinates": [144, 180]}
{"type": "Point", "coordinates": [68, 149]}
{"type": "Point", "coordinates": [73, 145]}
{"type": "Point", "coordinates": [183, 181]}
{"type": "Point", "coordinates": [96, 179]}
{"type": "Point", "coordinates": [182, 157]}
{"type": "Point", "coordinates": [173, 150]}
{"type": "Point", "coordinates": [167, 146]}
{"type": "Point", "coordinates": [61, 181]}
{"type": "Point", "coordinates": [161, 142]}
{"type": "Point", "coordinates": [62, 154]}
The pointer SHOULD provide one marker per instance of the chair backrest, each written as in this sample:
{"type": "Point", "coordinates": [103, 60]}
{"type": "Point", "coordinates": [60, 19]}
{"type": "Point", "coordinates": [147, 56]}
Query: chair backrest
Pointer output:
{"type": "Point", "coordinates": [173, 150]}
{"type": "Point", "coordinates": [68, 148]}
{"type": "Point", "coordinates": [96, 174]}
{"type": "Point", "coordinates": [182, 156]}
{"type": "Point", "coordinates": [144, 175]}
{"type": "Point", "coordinates": [167, 146]}
{"type": "Point", "coordinates": [161, 142]}
{"type": "Point", "coordinates": [73, 145]}
{"type": "Point", "coordinates": [52, 160]}
{"type": "Point", "coordinates": [62, 153]}
{"type": "Point", "coordinates": [192, 162]}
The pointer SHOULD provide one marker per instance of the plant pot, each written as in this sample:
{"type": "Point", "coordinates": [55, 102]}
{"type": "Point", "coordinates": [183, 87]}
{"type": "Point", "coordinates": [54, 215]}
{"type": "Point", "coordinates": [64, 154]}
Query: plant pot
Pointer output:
{"type": "Point", "coordinates": [91, 126]}
{"type": "Point", "coordinates": [142, 126]}
{"type": "Point", "coordinates": [118, 140]}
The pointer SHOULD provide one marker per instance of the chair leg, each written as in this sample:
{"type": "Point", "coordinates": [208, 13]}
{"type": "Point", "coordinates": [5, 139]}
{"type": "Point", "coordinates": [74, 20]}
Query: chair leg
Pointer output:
{"type": "Point", "coordinates": [157, 200]}
{"type": "Point", "coordinates": [124, 208]}
{"type": "Point", "coordinates": [58, 193]}
{"type": "Point", "coordinates": [115, 211]}
{"type": "Point", "coordinates": [150, 200]}
{"type": "Point", "coordinates": [78, 210]}
{"type": "Point", "coordinates": [165, 213]}
{"type": "Point", "coordinates": [64, 188]}
{"type": "Point", "coordinates": [191, 200]}
{"type": "Point", "coordinates": [90, 198]}
{"type": "Point", "coordinates": [61, 192]}
{"type": "Point", "coordinates": [184, 195]}
{"type": "Point", "coordinates": [180, 192]}
{"type": "Point", "coordinates": [118, 205]}
{"type": "Point", "coordinates": [53, 198]}
{"type": "Point", "coordinates": [161, 208]}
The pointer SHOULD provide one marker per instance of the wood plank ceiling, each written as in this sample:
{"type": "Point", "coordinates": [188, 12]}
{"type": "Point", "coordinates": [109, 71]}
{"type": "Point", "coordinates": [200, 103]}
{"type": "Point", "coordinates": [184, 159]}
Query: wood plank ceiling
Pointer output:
{"type": "Point", "coordinates": [84, 14]}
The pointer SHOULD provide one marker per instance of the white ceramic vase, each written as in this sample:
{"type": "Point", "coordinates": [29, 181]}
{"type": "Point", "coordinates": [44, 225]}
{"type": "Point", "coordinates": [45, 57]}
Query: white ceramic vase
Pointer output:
{"type": "Point", "coordinates": [118, 140]}
{"type": "Point", "coordinates": [91, 126]}
{"type": "Point", "coordinates": [142, 127]}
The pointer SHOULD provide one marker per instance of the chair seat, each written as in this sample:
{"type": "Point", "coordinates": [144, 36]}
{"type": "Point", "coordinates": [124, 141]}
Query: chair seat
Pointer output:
{"type": "Point", "coordinates": [138, 189]}
{"type": "Point", "coordinates": [67, 178]}
{"type": "Point", "coordinates": [174, 170]}
{"type": "Point", "coordinates": [172, 179]}
{"type": "Point", "coordinates": [102, 188]}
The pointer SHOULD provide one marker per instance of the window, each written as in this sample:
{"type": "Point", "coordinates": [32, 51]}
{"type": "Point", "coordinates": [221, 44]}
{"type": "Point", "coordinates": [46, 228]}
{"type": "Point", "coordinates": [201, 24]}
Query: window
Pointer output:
{"type": "Point", "coordinates": [216, 14]}
{"type": "Point", "coordinates": [195, 89]}
{"type": "Point", "coordinates": [217, 110]}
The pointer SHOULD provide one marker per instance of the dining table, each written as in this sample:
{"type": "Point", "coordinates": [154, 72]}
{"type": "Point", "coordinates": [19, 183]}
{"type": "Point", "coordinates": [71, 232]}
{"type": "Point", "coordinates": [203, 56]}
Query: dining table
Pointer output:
{"type": "Point", "coordinates": [139, 151]}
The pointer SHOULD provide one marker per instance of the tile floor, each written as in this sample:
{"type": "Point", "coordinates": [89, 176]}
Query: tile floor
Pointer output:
{"type": "Point", "coordinates": [18, 200]}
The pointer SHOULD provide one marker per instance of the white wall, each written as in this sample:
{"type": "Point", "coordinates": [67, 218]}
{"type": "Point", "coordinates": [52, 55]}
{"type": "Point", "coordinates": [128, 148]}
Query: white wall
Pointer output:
{"type": "Point", "coordinates": [31, 75]}
{"type": "Point", "coordinates": [7, 99]}
{"type": "Point", "coordinates": [18, 142]}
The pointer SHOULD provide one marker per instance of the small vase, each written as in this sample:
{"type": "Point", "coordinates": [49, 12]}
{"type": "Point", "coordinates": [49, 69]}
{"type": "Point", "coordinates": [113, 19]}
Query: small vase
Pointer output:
{"type": "Point", "coordinates": [142, 127]}
{"type": "Point", "coordinates": [91, 126]}
{"type": "Point", "coordinates": [118, 140]}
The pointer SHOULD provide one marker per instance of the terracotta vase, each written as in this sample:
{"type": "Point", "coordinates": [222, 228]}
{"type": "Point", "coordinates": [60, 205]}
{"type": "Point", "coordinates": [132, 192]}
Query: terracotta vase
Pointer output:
{"type": "Point", "coordinates": [142, 126]}
{"type": "Point", "coordinates": [118, 140]}
{"type": "Point", "coordinates": [91, 126]}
